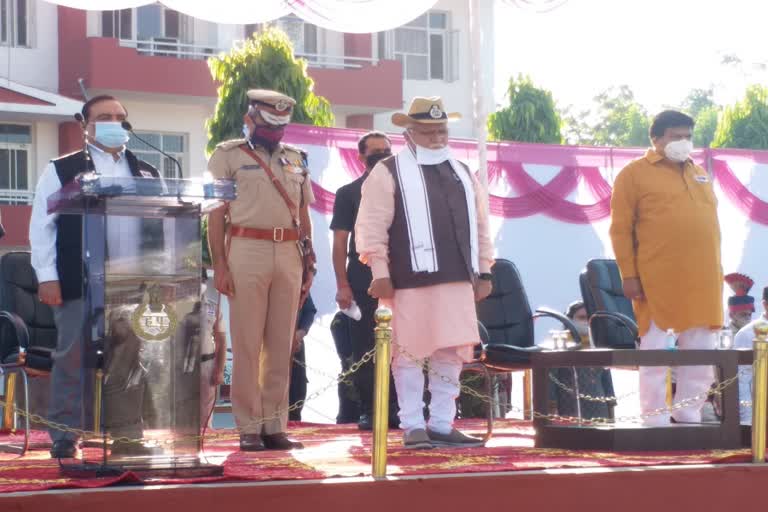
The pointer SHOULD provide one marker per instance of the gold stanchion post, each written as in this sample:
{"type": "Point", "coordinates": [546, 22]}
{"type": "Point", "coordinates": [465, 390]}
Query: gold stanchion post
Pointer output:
{"type": "Point", "coordinates": [97, 400]}
{"type": "Point", "coordinates": [381, 399]}
{"type": "Point", "coordinates": [759, 392]}
{"type": "Point", "coordinates": [10, 398]}
{"type": "Point", "coordinates": [527, 392]}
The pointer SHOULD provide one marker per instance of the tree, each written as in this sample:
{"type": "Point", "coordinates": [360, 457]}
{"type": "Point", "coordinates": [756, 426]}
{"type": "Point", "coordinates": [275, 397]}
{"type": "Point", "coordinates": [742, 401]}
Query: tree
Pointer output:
{"type": "Point", "coordinates": [701, 106]}
{"type": "Point", "coordinates": [621, 120]}
{"type": "Point", "coordinates": [745, 124]}
{"type": "Point", "coordinates": [698, 100]}
{"type": "Point", "coordinates": [706, 125]}
{"type": "Point", "coordinates": [265, 61]}
{"type": "Point", "coordinates": [531, 115]}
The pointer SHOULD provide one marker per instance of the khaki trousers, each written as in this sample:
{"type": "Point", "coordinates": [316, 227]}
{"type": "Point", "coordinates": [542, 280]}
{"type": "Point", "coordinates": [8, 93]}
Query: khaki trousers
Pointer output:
{"type": "Point", "coordinates": [267, 277]}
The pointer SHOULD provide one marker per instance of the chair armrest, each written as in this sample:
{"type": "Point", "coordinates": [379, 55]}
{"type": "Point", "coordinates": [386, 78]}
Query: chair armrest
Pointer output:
{"type": "Point", "coordinates": [567, 322]}
{"type": "Point", "coordinates": [13, 326]}
{"type": "Point", "coordinates": [629, 324]}
{"type": "Point", "coordinates": [18, 327]}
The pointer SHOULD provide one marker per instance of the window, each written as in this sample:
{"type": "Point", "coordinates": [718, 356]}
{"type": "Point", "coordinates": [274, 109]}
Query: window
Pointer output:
{"type": "Point", "coordinates": [422, 46]}
{"type": "Point", "coordinates": [15, 22]}
{"type": "Point", "coordinates": [173, 144]}
{"type": "Point", "coordinates": [153, 22]}
{"type": "Point", "coordinates": [117, 24]}
{"type": "Point", "coordinates": [302, 35]}
{"type": "Point", "coordinates": [15, 145]}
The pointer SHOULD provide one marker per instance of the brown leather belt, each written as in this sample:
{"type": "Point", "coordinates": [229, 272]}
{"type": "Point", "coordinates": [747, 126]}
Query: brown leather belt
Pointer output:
{"type": "Point", "coordinates": [274, 234]}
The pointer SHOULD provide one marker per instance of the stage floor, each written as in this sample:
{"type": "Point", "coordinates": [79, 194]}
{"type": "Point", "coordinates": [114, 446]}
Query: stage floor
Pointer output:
{"type": "Point", "coordinates": [338, 451]}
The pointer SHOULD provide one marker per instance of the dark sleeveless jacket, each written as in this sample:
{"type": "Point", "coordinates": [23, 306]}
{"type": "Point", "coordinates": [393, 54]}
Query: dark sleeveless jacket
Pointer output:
{"type": "Point", "coordinates": [450, 229]}
{"type": "Point", "coordinates": [69, 228]}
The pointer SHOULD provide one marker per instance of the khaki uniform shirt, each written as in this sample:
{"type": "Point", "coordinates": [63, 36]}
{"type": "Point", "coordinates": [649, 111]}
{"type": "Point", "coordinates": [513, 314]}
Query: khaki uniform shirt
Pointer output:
{"type": "Point", "coordinates": [258, 203]}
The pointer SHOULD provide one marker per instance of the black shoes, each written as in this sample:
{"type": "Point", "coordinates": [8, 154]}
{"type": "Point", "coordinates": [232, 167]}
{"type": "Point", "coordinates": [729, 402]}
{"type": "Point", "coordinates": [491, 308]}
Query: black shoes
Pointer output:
{"type": "Point", "coordinates": [258, 442]}
{"type": "Point", "coordinates": [64, 449]}
{"type": "Point", "coordinates": [366, 422]}
{"type": "Point", "coordinates": [280, 441]}
{"type": "Point", "coordinates": [251, 443]}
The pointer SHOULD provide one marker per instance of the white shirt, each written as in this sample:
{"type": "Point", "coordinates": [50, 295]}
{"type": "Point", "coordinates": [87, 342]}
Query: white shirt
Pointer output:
{"type": "Point", "coordinates": [42, 226]}
{"type": "Point", "coordinates": [744, 339]}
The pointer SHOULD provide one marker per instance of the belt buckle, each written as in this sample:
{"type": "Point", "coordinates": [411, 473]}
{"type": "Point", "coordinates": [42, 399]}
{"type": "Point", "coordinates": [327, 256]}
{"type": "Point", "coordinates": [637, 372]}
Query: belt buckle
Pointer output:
{"type": "Point", "coordinates": [277, 234]}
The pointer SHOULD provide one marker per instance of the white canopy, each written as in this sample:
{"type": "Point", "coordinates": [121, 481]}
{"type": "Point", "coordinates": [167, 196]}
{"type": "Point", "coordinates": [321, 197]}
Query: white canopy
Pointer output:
{"type": "Point", "coordinates": [351, 16]}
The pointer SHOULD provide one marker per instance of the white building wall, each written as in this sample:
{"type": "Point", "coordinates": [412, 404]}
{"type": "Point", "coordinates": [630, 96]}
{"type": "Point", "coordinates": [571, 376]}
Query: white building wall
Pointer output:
{"type": "Point", "coordinates": [166, 117]}
{"type": "Point", "coordinates": [331, 42]}
{"type": "Point", "coordinates": [37, 66]}
{"type": "Point", "coordinates": [457, 96]}
{"type": "Point", "coordinates": [45, 142]}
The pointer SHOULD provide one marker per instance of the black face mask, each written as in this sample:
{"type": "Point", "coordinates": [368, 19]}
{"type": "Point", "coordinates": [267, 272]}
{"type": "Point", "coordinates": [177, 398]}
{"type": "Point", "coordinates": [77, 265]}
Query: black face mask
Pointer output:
{"type": "Point", "coordinates": [372, 160]}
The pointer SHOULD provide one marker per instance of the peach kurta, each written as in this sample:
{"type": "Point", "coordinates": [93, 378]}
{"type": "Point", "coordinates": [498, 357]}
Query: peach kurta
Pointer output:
{"type": "Point", "coordinates": [665, 230]}
{"type": "Point", "coordinates": [428, 318]}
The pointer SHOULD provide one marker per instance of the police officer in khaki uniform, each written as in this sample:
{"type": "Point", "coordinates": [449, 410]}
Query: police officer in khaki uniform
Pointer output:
{"type": "Point", "coordinates": [258, 265]}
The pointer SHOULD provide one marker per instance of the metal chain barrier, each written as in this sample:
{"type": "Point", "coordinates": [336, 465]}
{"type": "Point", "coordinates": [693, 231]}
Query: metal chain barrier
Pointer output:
{"type": "Point", "coordinates": [341, 378]}
{"type": "Point", "coordinates": [589, 398]}
{"type": "Point", "coordinates": [574, 419]}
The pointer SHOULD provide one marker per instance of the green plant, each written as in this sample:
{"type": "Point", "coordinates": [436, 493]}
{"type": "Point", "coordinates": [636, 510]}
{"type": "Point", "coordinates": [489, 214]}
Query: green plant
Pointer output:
{"type": "Point", "coordinates": [265, 61]}
{"type": "Point", "coordinates": [531, 115]}
{"type": "Point", "coordinates": [745, 124]}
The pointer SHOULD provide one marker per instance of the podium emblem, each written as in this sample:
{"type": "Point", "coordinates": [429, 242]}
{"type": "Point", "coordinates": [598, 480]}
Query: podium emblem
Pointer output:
{"type": "Point", "coordinates": [154, 320]}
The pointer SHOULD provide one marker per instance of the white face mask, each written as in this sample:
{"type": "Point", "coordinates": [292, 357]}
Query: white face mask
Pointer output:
{"type": "Point", "coordinates": [427, 156]}
{"type": "Point", "coordinates": [582, 327]}
{"type": "Point", "coordinates": [679, 150]}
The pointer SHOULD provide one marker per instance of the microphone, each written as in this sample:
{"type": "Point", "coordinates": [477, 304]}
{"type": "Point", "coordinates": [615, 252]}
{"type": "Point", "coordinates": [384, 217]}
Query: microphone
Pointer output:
{"type": "Point", "coordinates": [88, 161]}
{"type": "Point", "coordinates": [127, 126]}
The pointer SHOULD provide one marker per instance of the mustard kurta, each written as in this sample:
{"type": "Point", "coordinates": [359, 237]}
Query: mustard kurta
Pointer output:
{"type": "Point", "coordinates": [664, 230]}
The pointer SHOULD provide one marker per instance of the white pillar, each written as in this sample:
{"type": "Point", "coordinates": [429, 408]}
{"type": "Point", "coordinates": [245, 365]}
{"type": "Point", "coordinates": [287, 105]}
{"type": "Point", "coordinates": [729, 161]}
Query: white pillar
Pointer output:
{"type": "Point", "coordinates": [479, 114]}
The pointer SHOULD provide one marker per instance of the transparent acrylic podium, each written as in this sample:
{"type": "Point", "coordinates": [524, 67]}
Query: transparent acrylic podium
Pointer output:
{"type": "Point", "coordinates": [142, 272]}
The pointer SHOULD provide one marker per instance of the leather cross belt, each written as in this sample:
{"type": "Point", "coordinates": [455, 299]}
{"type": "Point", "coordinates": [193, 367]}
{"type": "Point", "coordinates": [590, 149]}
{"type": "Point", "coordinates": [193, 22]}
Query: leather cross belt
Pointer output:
{"type": "Point", "coordinates": [274, 234]}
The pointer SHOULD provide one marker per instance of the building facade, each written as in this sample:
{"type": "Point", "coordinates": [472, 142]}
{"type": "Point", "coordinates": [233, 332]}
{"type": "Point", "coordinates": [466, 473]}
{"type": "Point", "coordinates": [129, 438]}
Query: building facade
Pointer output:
{"type": "Point", "coordinates": [154, 60]}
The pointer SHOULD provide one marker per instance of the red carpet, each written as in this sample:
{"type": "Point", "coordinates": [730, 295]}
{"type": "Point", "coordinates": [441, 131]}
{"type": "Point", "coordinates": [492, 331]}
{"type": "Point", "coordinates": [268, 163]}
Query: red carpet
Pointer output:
{"type": "Point", "coordinates": [341, 450]}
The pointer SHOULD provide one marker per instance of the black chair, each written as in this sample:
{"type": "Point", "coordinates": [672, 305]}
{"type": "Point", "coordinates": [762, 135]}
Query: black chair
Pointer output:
{"type": "Point", "coordinates": [611, 318]}
{"type": "Point", "coordinates": [506, 315]}
{"type": "Point", "coordinates": [27, 333]}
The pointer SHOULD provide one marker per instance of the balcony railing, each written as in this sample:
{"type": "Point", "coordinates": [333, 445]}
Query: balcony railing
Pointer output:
{"type": "Point", "coordinates": [170, 47]}
{"type": "Point", "coordinates": [10, 196]}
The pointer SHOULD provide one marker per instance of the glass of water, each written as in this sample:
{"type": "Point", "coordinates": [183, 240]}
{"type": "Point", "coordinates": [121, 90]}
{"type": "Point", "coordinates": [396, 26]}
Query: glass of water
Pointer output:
{"type": "Point", "coordinates": [725, 339]}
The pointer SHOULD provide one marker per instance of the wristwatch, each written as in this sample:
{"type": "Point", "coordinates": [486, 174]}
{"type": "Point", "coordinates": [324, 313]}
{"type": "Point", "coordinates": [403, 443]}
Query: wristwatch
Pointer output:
{"type": "Point", "coordinates": [485, 276]}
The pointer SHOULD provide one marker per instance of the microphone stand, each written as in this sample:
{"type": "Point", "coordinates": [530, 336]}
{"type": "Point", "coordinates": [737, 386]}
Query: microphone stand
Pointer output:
{"type": "Point", "coordinates": [127, 126]}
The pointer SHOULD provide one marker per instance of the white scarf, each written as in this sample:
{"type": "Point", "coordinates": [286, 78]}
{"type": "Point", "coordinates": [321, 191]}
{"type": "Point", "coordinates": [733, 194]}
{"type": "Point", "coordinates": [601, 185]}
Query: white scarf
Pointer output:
{"type": "Point", "coordinates": [416, 205]}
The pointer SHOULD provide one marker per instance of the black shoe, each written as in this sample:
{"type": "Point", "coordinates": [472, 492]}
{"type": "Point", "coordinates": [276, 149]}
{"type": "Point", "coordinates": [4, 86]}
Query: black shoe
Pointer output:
{"type": "Point", "coordinates": [63, 449]}
{"type": "Point", "coordinates": [280, 441]}
{"type": "Point", "coordinates": [251, 443]}
{"type": "Point", "coordinates": [365, 422]}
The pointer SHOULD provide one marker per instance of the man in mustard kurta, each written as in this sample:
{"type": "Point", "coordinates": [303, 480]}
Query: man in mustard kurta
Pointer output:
{"type": "Point", "coordinates": [666, 238]}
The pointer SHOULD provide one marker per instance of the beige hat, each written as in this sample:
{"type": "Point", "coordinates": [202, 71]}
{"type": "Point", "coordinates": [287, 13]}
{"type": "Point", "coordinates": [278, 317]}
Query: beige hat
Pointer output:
{"type": "Point", "coordinates": [274, 99]}
{"type": "Point", "coordinates": [424, 110]}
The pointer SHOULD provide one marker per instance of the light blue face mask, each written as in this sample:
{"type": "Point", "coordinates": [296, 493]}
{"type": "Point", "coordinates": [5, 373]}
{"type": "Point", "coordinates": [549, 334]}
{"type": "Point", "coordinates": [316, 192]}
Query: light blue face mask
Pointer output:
{"type": "Point", "coordinates": [110, 134]}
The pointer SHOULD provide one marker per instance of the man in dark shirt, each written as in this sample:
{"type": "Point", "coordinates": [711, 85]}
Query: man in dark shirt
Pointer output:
{"type": "Point", "coordinates": [353, 278]}
{"type": "Point", "coordinates": [297, 392]}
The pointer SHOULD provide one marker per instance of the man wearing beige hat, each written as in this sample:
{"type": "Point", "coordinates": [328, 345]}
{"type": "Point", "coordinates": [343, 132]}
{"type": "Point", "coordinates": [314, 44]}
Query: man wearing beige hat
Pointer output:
{"type": "Point", "coordinates": [423, 229]}
{"type": "Point", "coordinates": [262, 264]}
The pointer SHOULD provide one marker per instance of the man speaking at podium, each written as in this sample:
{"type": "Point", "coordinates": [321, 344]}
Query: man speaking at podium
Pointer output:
{"type": "Point", "coordinates": [57, 254]}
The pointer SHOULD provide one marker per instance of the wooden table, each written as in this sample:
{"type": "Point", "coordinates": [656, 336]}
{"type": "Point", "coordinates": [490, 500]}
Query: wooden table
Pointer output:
{"type": "Point", "coordinates": [636, 437]}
